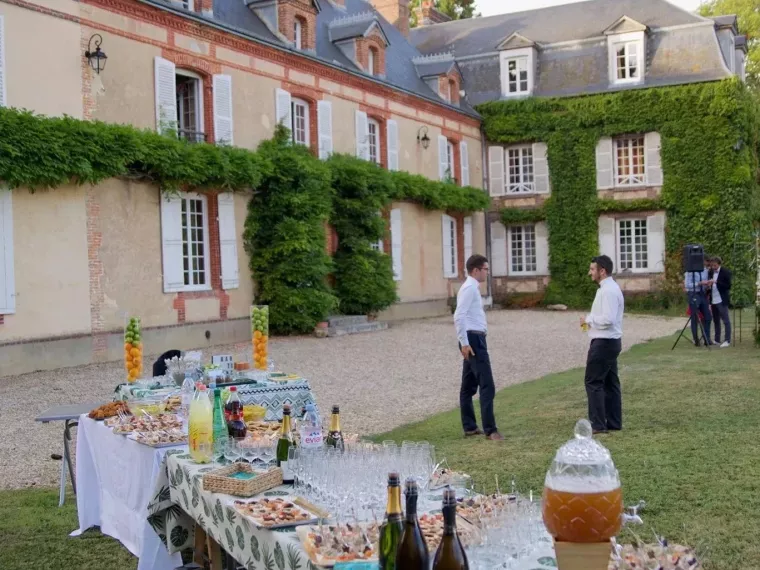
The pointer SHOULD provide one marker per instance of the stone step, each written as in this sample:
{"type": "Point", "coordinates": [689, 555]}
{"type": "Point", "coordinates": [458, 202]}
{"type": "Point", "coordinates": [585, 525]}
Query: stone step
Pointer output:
{"type": "Point", "coordinates": [346, 321]}
{"type": "Point", "coordinates": [358, 328]}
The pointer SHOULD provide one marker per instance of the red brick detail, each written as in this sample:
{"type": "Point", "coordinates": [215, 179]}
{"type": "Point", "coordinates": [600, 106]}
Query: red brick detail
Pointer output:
{"type": "Point", "coordinates": [88, 101]}
{"type": "Point", "coordinates": [204, 6]}
{"type": "Point", "coordinates": [376, 43]}
{"type": "Point", "coordinates": [461, 261]}
{"type": "Point", "coordinates": [395, 11]}
{"type": "Point", "coordinates": [332, 240]}
{"type": "Point", "coordinates": [179, 304]}
{"type": "Point", "coordinates": [427, 14]}
{"type": "Point", "coordinates": [450, 84]}
{"type": "Point", "coordinates": [453, 136]}
{"type": "Point", "coordinates": [96, 274]}
{"type": "Point", "coordinates": [387, 245]}
{"type": "Point", "coordinates": [303, 11]}
{"type": "Point", "coordinates": [174, 22]}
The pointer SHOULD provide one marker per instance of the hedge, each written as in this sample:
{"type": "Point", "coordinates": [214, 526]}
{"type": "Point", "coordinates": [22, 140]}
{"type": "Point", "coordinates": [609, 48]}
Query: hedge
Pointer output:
{"type": "Point", "coordinates": [709, 160]}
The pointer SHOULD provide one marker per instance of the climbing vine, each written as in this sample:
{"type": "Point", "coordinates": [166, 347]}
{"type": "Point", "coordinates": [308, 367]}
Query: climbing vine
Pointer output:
{"type": "Point", "coordinates": [709, 162]}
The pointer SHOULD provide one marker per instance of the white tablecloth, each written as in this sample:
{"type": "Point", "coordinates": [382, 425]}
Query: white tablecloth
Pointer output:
{"type": "Point", "coordinates": [115, 481]}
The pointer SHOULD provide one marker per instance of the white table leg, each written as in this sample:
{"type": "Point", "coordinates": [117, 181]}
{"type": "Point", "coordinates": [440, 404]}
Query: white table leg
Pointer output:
{"type": "Point", "coordinates": [62, 492]}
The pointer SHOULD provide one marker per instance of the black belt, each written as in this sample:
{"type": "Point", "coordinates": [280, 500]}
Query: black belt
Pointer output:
{"type": "Point", "coordinates": [479, 333]}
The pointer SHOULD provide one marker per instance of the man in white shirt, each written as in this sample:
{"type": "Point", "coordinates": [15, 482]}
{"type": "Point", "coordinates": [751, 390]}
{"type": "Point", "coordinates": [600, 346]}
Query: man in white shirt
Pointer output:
{"type": "Point", "coordinates": [605, 329]}
{"type": "Point", "coordinates": [471, 327]}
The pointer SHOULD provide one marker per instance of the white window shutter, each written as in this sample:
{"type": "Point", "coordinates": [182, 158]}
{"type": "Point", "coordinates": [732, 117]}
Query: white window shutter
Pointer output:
{"type": "Point", "coordinates": [324, 128]}
{"type": "Point", "coordinates": [166, 95]}
{"type": "Point", "coordinates": [393, 150]}
{"type": "Point", "coordinates": [7, 280]}
{"type": "Point", "coordinates": [228, 241]}
{"type": "Point", "coordinates": [282, 102]}
{"type": "Point", "coordinates": [467, 238]}
{"type": "Point", "coordinates": [362, 135]}
{"type": "Point", "coordinates": [653, 164]}
{"type": "Point", "coordinates": [541, 169]}
{"type": "Point", "coordinates": [608, 239]}
{"type": "Point", "coordinates": [449, 246]}
{"type": "Point", "coordinates": [171, 242]}
{"type": "Point", "coordinates": [542, 248]}
{"type": "Point", "coordinates": [496, 170]}
{"type": "Point", "coordinates": [656, 243]}
{"type": "Point", "coordinates": [3, 95]}
{"type": "Point", "coordinates": [604, 164]}
{"type": "Point", "coordinates": [223, 124]}
{"type": "Point", "coordinates": [465, 166]}
{"type": "Point", "coordinates": [498, 249]}
{"type": "Point", "coordinates": [443, 158]}
{"type": "Point", "coordinates": [397, 246]}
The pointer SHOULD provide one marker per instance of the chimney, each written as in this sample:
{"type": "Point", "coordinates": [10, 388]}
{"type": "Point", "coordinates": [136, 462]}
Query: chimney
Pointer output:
{"type": "Point", "coordinates": [396, 12]}
{"type": "Point", "coordinates": [427, 15]}
{"type": "Point", "coordinates": [206, 7]}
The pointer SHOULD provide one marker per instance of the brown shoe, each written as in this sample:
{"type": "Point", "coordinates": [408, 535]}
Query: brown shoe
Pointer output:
{"type": "Point", "coordinates": [600, 432]}
{"type": "Point", "coordinates": [495, 436]}
{"type": "Point", "coordinates": [473, 433]}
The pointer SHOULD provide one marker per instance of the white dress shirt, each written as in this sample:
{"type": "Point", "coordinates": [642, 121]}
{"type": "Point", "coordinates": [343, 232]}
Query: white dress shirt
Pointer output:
{"type": "Point", "coordinates": [469, 315]}
{"type": "Point", "coordinates": [716, 298]}
{"type": "Point", "coordinates": [606, 317]}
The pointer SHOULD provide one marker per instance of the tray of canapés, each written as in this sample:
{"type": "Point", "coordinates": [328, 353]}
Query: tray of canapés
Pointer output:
{"type": "Point", "coordinates": [161, 438]}
{"type": "Point", "coordinates": [109, 410]}
{"type": "Point", "coordinates": [431, 525]}
{"type": "Point", "coordinates": [326, 545]}
{"type": "Point", "coordinates": [274, 512]}
{"type": "Point", "coordinates": [476, 509]}
{"type": "Point", "coordinates": [162, 422]}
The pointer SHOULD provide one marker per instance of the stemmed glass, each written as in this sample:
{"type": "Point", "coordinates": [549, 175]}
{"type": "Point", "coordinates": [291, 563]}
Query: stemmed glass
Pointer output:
{"type": "Point", "coordinates": [232, 450]}
{"type": "Point", "coordinates": [266, 452]}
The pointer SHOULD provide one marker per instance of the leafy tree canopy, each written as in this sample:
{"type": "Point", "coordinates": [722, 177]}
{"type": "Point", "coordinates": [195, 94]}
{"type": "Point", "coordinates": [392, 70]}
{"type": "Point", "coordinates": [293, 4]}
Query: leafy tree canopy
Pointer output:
{"type": "Point", "coordinates": [454, 9]}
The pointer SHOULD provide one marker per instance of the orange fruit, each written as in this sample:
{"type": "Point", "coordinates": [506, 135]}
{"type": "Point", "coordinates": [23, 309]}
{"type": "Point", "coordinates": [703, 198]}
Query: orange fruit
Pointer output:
{"type": "Point", "coordinates": [135, 352]}
{"type": "Point", "coordinates": [257, 335]}
{"type": "Point", "coordinates": [265, 339]}
{"type": "Point", "coordinates": [127, 346]}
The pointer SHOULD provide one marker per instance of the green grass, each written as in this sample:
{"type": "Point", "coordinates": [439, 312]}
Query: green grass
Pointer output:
{"type": "Point", "coordinates": [690, 446]}
{"type": "Point", "coordinates": [34, 536]}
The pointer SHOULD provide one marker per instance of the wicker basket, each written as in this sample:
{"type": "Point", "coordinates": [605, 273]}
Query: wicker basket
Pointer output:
{"type": "Point", "coordinates": [220, 481]}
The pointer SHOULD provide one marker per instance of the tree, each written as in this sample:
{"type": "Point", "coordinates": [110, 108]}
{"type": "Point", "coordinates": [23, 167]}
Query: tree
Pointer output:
{"type": "Point", "coordinates": [748, 12]}
{"type": "Point", "coordinates": [454, 9]}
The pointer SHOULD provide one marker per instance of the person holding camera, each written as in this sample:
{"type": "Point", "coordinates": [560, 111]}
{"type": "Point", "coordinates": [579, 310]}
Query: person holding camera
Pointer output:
{"type": "Point", "coordinates": [720, 284]}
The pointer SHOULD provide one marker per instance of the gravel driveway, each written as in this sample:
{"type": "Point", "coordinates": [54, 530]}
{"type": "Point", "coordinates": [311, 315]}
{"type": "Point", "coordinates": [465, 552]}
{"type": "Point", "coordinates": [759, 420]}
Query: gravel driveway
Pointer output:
{"type": "Point", "coordinates": [381, 380]}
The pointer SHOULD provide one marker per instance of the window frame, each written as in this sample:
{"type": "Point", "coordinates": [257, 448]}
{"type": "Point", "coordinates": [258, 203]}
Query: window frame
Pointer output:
{"type": "Point", "coordinates": [529, 187]}
{"type": "Point", "coordinates": [523, 255]}
{"type": "Point", "coordinates": [186, 197]}
{"type": "Point", "coordinates": [451, 158]}
{"type": "Point", "coordinates": [619, 245]}
{"type": "Point", "coordinates": [298, 34]}
{"type": "Point", "coordinates": [614, 41]}
{"type": "Point", "coordinates": [199, 104]}
{"type": "Point", "coordinates": [526, 55]}
{"type": "Point", "coordinates": [637, 180]}
{"type": "Point", "coordinates": [371, 61]}
{"type": "Point", "coordinates": [453, 261]}
{"type": "Point", "coordinates": [295, 102]}
{"type": "Point", "coordinates": [378, 158]}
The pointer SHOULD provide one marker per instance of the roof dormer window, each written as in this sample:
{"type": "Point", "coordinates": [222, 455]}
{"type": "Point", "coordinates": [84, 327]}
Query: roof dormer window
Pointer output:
{"type": "Point", "coordinates": [626, 46]}
{"type": "Point", "coordinates": [518, 64]}
{"type": "Point", "coordinates": [298, 34]}
{"type": "Point", "coordinates": [627, 61]}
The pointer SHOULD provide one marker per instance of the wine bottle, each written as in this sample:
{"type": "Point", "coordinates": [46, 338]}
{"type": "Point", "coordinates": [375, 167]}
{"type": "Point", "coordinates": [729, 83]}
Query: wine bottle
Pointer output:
{"type": "Point", "coordinates": [284, 444]}
{"type": "Point", "coordinates": [450, 554]}
{"type": "Point", "coordinates": [393, 527]}
{"type": "Point", "coordinates": [335, 436]}
{"type": "Point", "coordinates": [412, 551]}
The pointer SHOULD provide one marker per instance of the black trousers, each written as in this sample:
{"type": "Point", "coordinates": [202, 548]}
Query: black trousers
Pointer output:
{"type": "Point", "coordinates": [477, 375]}
{"type": "Point", "coordinates": [720, 313]}
{"type": "Point", "coordinates": [605, 403]}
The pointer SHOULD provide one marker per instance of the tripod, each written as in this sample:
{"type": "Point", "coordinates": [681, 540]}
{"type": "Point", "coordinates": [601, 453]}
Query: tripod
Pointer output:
{"type": "Point", "coordinates": [694, 315]}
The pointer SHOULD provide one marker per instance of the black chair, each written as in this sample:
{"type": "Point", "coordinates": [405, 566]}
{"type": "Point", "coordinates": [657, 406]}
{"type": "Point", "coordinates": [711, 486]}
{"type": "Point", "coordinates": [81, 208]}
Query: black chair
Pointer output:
{"type": "Point", "coordinates": [159, 367]}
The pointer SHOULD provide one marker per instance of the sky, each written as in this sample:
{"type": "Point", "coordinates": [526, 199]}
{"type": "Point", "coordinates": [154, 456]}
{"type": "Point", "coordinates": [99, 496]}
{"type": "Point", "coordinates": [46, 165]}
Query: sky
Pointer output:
{"type": "Point", "coordinates": [492, 7]}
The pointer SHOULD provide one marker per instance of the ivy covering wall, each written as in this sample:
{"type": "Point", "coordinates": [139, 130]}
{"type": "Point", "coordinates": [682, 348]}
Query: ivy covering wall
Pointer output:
{"type": "Point", "coordinates": [295, 195]}
{"type": "Point", "coordinates": [709, 161]}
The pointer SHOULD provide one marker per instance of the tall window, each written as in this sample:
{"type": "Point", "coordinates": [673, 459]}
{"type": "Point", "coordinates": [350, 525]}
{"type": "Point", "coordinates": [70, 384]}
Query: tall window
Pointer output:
{"type": "Point", "coordinates": [520, 161]}
{"type": "Point", "coordinates": [298, 33]}
{"type": "Point", "coordinates": [299, 112]}
{"type": "Point", "coordinates": [630, 167]}
{"type": "Point", "coordinates": [450, 253]}
{"type": "Point", "coordinates": [189, 107]}
{"type": "Point", "coordinates": [194, 241]}
{"type": "Point", "coordinates": [628, 61]}
{"type": "Point", "coordinates": [517, 75]}
{"type": "Point", "coordinates": [446, 92]}
{"type": "Point", "coordinates": [371, 62]}
{"type": "Point", "coordinates": [373, 138]}
{"type": "Point", "coordinates": [632, 243]}
{"type": "Point", "coordinates": [522, 249]}
{"type": "Point", "coordinates": [450, 159]}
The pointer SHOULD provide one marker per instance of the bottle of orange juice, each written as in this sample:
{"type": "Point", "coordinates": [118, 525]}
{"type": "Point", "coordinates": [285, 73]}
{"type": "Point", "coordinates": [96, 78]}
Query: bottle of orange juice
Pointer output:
{"type": "Point", "coordinates": [201, 427]}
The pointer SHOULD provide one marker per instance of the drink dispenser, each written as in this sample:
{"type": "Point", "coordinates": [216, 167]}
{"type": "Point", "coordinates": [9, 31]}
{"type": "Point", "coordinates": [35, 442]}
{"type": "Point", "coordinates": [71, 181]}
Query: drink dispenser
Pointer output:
{"type": "Point", "coordinates": [582, 502]}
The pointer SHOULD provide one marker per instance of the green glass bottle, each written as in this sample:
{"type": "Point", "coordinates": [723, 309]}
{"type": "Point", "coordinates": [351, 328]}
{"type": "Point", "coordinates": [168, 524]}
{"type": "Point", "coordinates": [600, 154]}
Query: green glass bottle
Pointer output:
{"type": "Point", "coordinates": [219, 426]}
{"type": "Point", "coordinates": [335, 435]}
{"type": "Point", "coordinates": [393, 527]}
{"type": "Point", "coordinates": [412, 552]}
{"type": "Point", "coordinates": [450, 554]}
{"type": "Point", "coordinates": [284, 444]}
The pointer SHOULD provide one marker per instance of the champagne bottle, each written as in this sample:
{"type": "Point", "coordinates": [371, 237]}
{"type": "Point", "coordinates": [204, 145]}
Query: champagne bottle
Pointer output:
{"type": "Point", "coordinates": [284, 444]}
{"type": "Point", "coordinates": [450, 554]}
{"type": "Point", "coordinates": [393, 527]}
{"type": "Point", "coordinates": [412, 552]}
{"type": "Point", "coordinates": [335, 436]}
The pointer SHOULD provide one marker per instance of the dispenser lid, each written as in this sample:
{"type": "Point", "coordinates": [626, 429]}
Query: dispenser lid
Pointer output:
{"type": "Point", "coordinates": [583, 449]}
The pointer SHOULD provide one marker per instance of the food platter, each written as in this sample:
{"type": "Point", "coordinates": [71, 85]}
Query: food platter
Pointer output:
{"type": "Point", "coordinates": [158, 439]}
{"type": "Point", "coordinates": [327, 545]}
{"type": "Point", "coordinates": [272, 513]}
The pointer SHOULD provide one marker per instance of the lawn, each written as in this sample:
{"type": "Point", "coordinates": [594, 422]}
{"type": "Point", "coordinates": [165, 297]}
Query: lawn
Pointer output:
{"type": "Point", "coordinates": [690, 446]}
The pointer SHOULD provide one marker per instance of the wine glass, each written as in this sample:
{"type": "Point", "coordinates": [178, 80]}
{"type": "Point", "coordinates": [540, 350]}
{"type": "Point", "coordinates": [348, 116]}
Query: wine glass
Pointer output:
{"type": "Point", "coordinates": [267, 453]}
{"type": "Point", "coordinates": [232, 450]}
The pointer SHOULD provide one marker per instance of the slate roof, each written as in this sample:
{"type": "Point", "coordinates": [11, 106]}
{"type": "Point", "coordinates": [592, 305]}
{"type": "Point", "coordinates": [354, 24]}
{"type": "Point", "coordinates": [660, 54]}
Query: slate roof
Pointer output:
{"type": "Point", "coordinates": [400, 72]}
{"type": "Point", "coordinates": [352, 26]}
{"type": "Point", "coordinates": [432, 66]}
{"type": "Point", "coordinates": [566, 22]}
